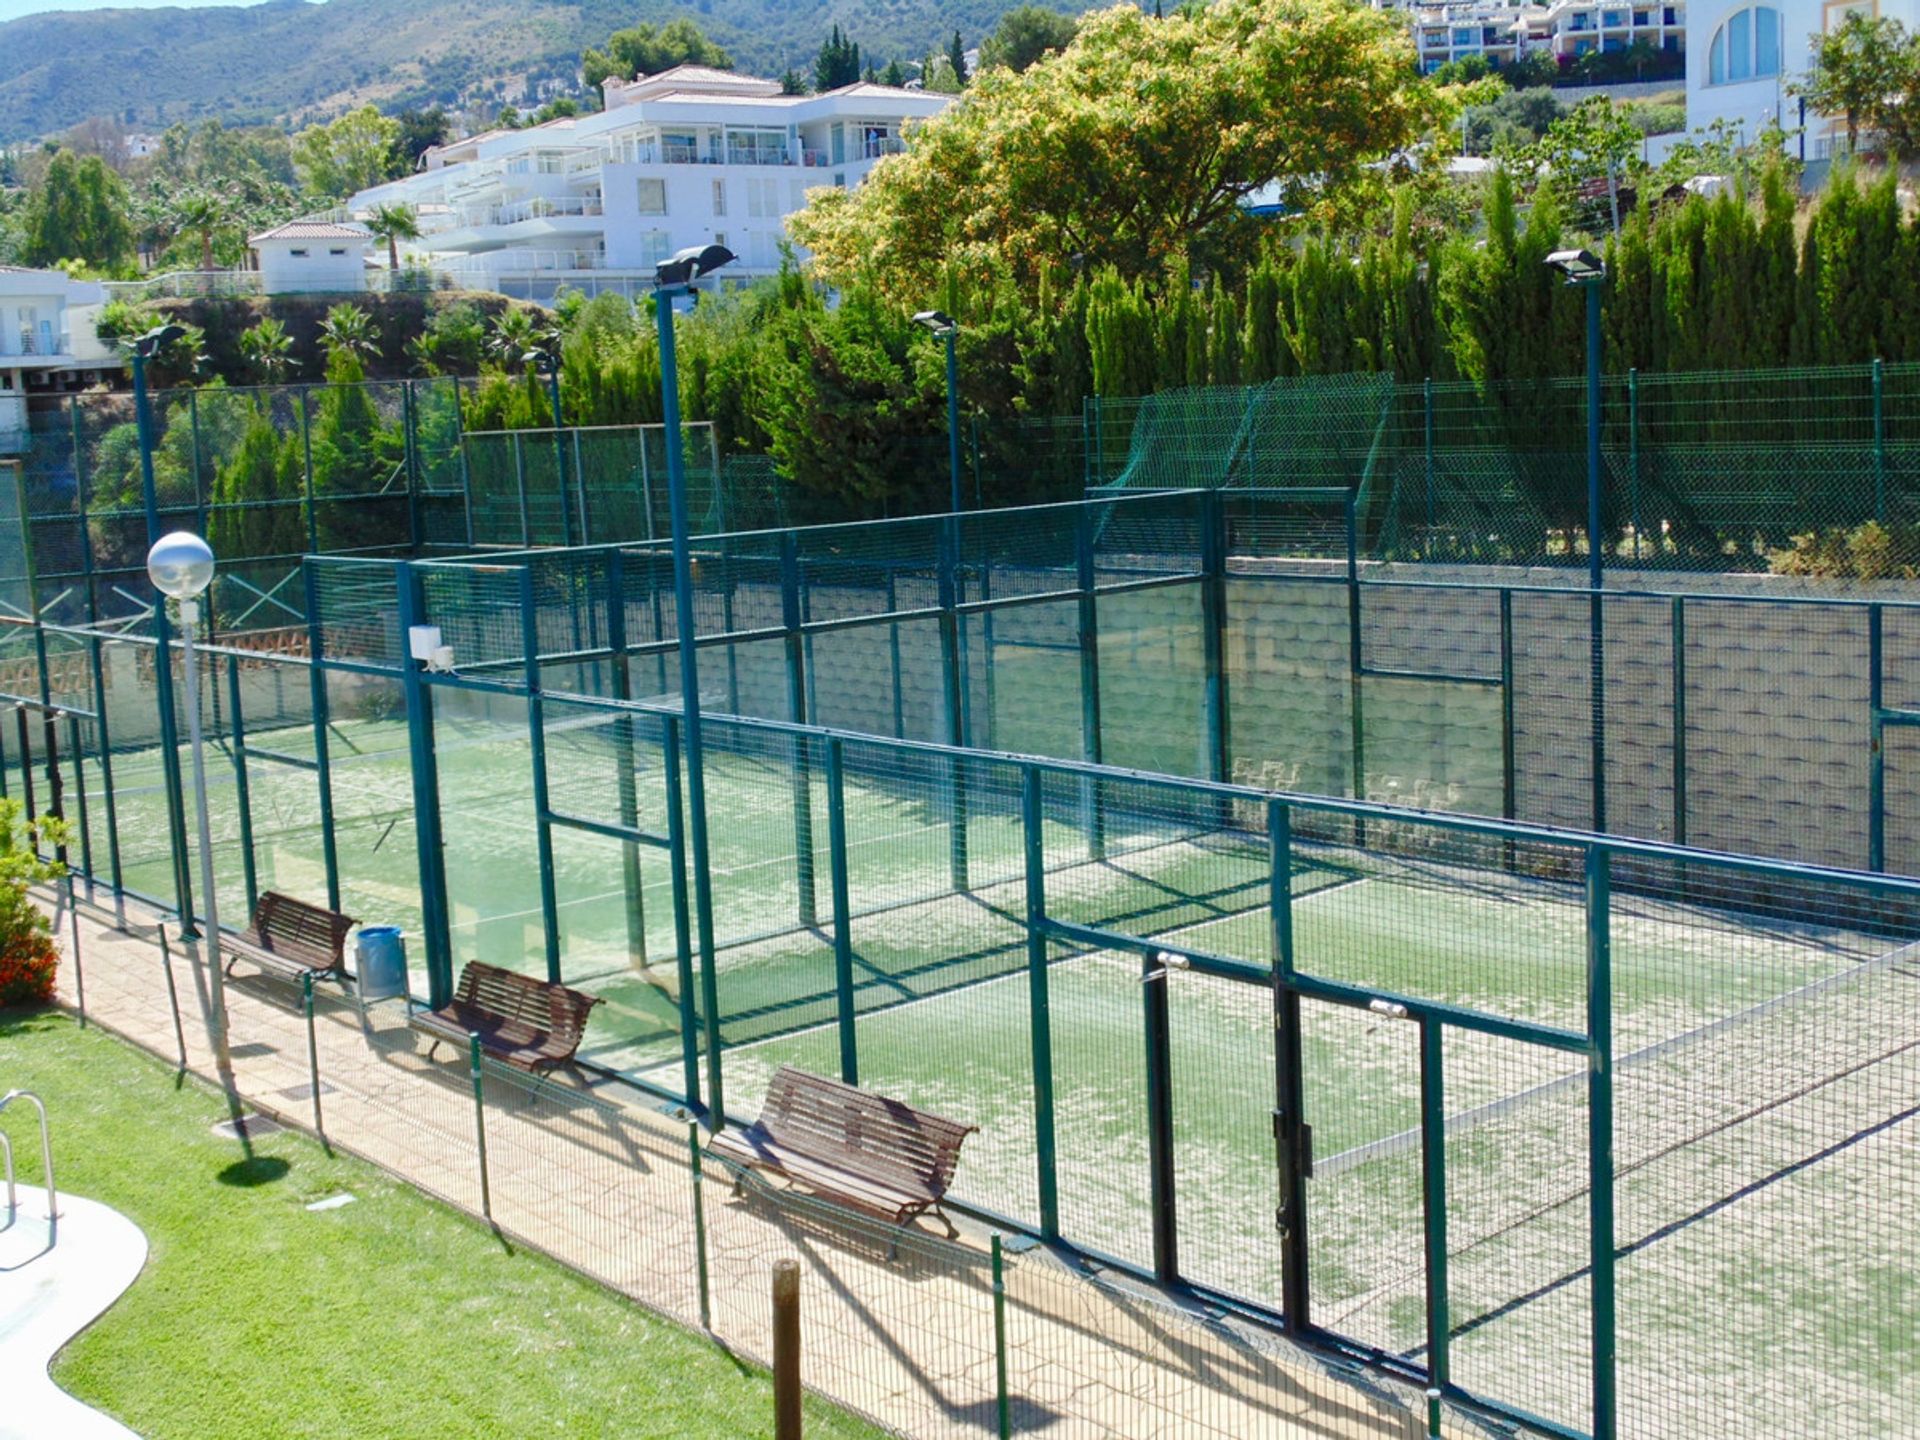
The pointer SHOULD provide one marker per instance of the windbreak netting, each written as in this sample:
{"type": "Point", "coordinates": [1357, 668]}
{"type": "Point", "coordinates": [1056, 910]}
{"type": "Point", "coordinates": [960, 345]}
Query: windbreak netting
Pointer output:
{"type": "Point", "coordinates": [587, 484]}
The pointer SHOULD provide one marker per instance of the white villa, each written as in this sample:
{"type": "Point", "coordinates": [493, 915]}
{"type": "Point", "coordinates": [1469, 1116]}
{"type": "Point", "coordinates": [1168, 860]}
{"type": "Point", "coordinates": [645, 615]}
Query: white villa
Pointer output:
{"type": "Point", "coordinates": [1745, 71]}
{"type": "Point", "coordinates": [1499, 31]}
{"type": "Point", "coordinates": [691, 156]}
{"type": "Point", "coordinates": [47, 344]}
{"type": "Point", "coordinates": [311, 257]}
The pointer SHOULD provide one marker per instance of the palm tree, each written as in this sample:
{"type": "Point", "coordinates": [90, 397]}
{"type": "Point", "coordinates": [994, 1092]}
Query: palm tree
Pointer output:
{"type": "Point", "coordinates": [204, 213]}
{"type": "Point", "coordinates": [268, 349]}
{"type": "Point", "coordinates": [394, 223]}
{"type": "Point", "coordinates": [514, 334]}
{"type": "Point", "coordinates": [349, 330]}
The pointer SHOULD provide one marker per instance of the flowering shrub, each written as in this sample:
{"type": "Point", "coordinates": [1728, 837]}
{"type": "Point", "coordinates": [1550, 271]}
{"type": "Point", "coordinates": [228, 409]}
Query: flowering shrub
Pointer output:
{"type": "Point", "coordinates": [28, 958]}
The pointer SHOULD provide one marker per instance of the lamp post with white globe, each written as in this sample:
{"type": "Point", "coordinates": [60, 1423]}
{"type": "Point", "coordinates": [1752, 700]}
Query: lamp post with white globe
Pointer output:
{"type": "Point", "coordinates": [181, 567]}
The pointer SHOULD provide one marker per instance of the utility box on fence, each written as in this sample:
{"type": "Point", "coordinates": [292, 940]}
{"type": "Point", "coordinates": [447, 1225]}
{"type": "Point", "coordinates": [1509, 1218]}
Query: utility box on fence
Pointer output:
{"type": "Point", "coordinates": [380, 958]}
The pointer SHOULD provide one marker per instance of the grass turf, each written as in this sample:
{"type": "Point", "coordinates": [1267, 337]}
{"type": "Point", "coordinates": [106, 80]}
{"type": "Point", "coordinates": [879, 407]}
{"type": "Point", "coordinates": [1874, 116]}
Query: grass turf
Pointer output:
{"type": "Point", "coordinates": [392, 1316]}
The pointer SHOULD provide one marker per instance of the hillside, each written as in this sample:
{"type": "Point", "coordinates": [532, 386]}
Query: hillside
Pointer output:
{"type": "Point", "coordinates": [291, 60]}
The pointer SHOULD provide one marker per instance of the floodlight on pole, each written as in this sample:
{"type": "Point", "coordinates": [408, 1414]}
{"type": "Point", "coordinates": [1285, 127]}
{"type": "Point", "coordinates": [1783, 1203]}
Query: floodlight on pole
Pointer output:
{"type": "Point", "coordinates": [947, 329]}
{"type": "Point", "coordinates": [674, 277]}
{"type": "Point", "coordinates": [546, 364]}
{"type": "Point", "coordinates": [1588, 271]}
{"type": "Point", "coordinates": [180, 565]}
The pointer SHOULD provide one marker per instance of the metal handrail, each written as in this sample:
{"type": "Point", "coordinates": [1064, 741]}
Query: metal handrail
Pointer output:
{"type": "Point", "coordinates": [46, 1150]}
{"type": "Point", "coordinates": [13, 1197]}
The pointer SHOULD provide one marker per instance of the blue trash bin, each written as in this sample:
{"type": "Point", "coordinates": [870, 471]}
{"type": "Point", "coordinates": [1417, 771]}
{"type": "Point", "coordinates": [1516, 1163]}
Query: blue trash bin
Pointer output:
{"type": "Point", "coordinates": [380, 958]}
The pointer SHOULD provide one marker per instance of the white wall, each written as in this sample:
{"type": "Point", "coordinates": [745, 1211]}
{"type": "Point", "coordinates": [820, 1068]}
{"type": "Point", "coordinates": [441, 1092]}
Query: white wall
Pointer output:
{"type": "Point", "coordinates": [282, 272]}
{"type": "Point", "coordinates": [1749, 105]}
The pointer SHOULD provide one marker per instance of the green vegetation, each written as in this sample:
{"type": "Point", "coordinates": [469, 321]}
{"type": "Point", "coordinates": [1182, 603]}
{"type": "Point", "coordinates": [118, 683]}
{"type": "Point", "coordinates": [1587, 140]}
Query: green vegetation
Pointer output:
{"type": "Point", "coordinates": [1868, 69]}
{"type": "Point", "coordinates": [391, 1316]}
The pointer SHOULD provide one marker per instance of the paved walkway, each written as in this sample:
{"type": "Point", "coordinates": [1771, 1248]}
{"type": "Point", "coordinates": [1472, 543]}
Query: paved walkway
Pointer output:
{"type": "Point", "coordinates": [55, 1280]}
{"type": "Point", "coordinates": [903, 1332]}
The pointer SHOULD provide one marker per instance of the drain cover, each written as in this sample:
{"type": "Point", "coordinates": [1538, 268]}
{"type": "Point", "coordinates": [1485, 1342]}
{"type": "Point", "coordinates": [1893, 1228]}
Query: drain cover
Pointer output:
{"type": "Point", "coordinates": [247, 1127]}
{"type": "Point", "coordinates": [304, 1090]}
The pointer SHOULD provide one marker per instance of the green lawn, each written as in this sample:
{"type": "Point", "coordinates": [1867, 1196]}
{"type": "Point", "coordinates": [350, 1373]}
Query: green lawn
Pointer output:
{"type": "Point", "coordinates": [392, 1316]}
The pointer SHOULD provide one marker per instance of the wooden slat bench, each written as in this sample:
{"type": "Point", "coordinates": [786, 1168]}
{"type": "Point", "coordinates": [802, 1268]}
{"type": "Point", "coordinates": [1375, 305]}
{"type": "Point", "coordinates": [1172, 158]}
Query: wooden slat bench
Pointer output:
{"type": "Point", "coordinates": [878, 1156]}
{"type": "Point", "coordinates": [293, 938]}
{"type": "Point", "coordinates": [531, 1024]}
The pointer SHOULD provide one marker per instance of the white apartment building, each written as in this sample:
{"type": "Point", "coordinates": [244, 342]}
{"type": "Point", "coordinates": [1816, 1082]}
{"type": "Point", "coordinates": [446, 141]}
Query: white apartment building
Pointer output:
{"type": "Point", "coordinates": [1500, 31]}
{"type": "Point", "coordinates": [1744, 74]}
{"type": "Point", "coordinates": [47, 343]}
{"type": "Point", "coordinates": [691, 156]}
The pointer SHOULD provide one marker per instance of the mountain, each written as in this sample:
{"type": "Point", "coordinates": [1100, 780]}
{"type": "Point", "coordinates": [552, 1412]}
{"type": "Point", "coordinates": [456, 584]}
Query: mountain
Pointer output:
{"type": "Point", "coordinates": [293, 61]}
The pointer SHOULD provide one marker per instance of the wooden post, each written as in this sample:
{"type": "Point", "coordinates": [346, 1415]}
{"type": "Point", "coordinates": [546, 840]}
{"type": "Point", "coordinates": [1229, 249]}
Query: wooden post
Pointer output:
{"type": "Point", "coordinates": [786, 1350]}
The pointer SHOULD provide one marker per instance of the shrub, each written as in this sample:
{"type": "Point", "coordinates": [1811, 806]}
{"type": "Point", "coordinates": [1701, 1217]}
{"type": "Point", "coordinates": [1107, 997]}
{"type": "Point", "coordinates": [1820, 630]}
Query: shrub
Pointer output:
{"type": "Point", "coordinates": [28, 958]}
{"type": "Point", "coordinates": [1866, 552]}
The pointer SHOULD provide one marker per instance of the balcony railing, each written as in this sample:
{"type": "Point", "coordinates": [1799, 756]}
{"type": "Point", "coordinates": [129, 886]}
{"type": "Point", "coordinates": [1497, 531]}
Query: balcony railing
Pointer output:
{"type": "Point", "coordinates": [874, 147]}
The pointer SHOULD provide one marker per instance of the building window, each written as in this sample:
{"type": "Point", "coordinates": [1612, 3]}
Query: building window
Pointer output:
{"type": "Point", "coordinates": [1670, 44]}
{"type": "Point", "coordinates": [719, 197]}
{"type": "Point", "coordinates": [1669, 16]}
{"type": "Point", "coordinates": [1466, 38]}
{"type": "Point", "coordinates": [1612, 19]}
{"type": "Point", "coordinates": [1642, 17]}
{"type": "Point", "coordinates": [1746, 47]}
{"type": "Point", "coordinates": [652, 195]}
{"type": "Point", "coordinates": [796, 195]}
{"type": "Point", "coordinates": [298, 254]}
{"type": "Point", "coordinates": [763, 199]}
{"type": "Point", "coordinates": [336, 250]}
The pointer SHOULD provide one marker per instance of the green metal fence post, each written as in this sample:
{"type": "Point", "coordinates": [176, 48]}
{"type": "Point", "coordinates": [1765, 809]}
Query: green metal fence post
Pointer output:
{"type": "Point", "coordinates": [306, 451]}
{"type": "Point", "coordinates": [1163, 1188]}
{"type": "Point", "coordinates": [1039, 1016]}
{"type": "Point", "coordinates": [318, 703]}
{"type": "Point", "coordinates": [1213, 628]}
{"type": "Point", "coordinates": [800, 775]}
{"type": "Point", "coordinates": [1003, 1399]}
{"type": "Point", "coordinates": [1509, 797]}
{"type": "Point", "coordinates": [313, 1058]}
{"type": "Point", "coordinates": [1426, 390]}
{"type": "Point", "coordinates": [1597, 703]}
{"type": "Point", "coordinates": [410, 439]}
{"type": "Point", "coordinates": [1433, 1187]}
{"type": "Point", "coordinates": [1633, 456]}
{"type": "Point", "coordinates": [1356, 712]}
{"type": "Point", "coordinates": [1679, 646]}
{"type": "Point", "coordinates": [242, 790]}
{"type": "Point", "coordinates": [1876, 742]}
{"type": "Point", "coordinates": [520, 486]}
{"type": "Point", "coordinates": [1880, 441]}
{"type": "Point", "coordinates": [542, 808]}
{"type": "Point", "coordinates": [690, 1015]}
{"type": "Point", "coordinates": [700, 1226]}
{"type": "Point", "coordinates": [170, 776]}
{"type": "Point", "coordinates": [466, 470]}
{"type": "Point", "coordinates": [621, 668]}
{"type": "Point", "coordinates": [1291, 1135]}
{"type": "Point", "coordinates": [947, 538]}
{"type": "Point", "coordinates": [77, 744]}
{"type": "Point", "coordinates": [428, 843]}
{"type": "Point", "coordinates": [1600, 1178]}
{"type": "Point", "coordinates": [480, 1125]}
{"type": "Point", "coordinates": [199, 481]}
{"type": "Point", "coordinates": [1091, 807]}
{"type": "Point", "coordinates": [893, 665]}
{"type": "Point", "coordinates": [842, 910]}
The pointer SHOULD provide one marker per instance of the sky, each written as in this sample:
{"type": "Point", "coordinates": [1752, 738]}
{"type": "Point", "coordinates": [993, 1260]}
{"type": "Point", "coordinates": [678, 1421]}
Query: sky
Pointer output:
{"type": "Point", "coordinates": [14, 9]}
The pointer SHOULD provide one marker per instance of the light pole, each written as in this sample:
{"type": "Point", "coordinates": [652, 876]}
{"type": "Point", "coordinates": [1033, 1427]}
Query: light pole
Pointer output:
{"type": "Point", "coordinates": [672, 279]}
{"type": "Point", "coordinates": [144, 349]}
{"type": "Point", "coordinates": [1585, 270]}
{"type": "Point", "coordinates": [948, 329]}
{"type": "Point", "coordinates": [546, 364]}
{"type": "Point", "coordinates": [181, 567]}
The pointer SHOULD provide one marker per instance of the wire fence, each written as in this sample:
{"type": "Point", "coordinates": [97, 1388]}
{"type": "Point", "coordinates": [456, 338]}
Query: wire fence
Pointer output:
{"type": "Point", "coordinates": [1518, 1097]}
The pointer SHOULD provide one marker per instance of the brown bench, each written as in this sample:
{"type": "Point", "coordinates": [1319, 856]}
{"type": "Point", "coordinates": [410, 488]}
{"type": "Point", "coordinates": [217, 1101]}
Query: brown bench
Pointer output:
{"type": "Point", "coordinates": [531, 1024]}
{"type": "Point", "coordinates": [292, 937]}
{"type": "Point", "coordinates": [871, 1154]}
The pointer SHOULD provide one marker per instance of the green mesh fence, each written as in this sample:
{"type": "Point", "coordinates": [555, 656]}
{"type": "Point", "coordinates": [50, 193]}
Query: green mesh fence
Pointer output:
{"type": "Point", "coordinates": [587, 485]}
